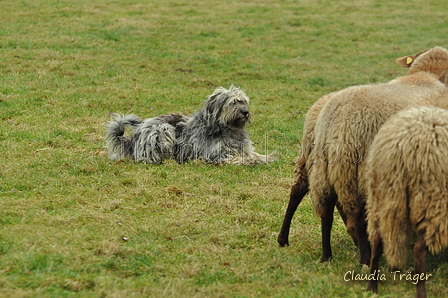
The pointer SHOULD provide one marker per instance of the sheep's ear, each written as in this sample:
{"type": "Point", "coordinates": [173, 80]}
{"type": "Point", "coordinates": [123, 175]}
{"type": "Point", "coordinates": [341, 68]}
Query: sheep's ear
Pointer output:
{"type": "Point", "coordinates": [407, 61]}
{"type": "Point", "coordinates": [444, 77]}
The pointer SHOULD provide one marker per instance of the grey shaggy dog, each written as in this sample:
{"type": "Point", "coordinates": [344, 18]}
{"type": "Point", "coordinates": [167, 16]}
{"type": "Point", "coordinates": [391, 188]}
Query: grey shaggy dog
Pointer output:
{"type": "Point", "coordinates": [215, 134]}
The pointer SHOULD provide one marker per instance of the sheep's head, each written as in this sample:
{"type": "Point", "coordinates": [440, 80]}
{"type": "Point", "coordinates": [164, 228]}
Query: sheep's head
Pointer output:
{"type": "Point", "coordinates": [434, 60]}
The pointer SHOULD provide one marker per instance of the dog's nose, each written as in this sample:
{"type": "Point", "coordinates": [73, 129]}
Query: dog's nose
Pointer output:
{"type": "Point", "coordinates": [245, 113]}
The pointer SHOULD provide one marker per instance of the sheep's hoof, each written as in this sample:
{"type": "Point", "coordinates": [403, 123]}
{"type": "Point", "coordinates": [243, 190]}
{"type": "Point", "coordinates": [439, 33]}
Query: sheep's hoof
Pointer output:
{"type": "Point", "coordinates": [324, 259]}
{"type": "Point", "coordinates": [365, 263]}
{"type": "Point", "coordinates": [283, 242]}
{"type": "Point", "coordinates": [372, 287]}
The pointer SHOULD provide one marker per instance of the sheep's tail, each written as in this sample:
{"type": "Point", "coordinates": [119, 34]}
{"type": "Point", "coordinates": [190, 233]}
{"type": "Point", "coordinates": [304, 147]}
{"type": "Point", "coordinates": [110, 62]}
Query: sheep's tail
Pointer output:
{"type": "Point", "coordinates": [397, 232]}
{"type": "Point", "coordinates": [388, 214]}
{"type": "Point", "coordinates": [120, 146]}
{"type": "Point", "coordinates": [433, 220]}
{"type": "Point", "coordinates": [397, 223]}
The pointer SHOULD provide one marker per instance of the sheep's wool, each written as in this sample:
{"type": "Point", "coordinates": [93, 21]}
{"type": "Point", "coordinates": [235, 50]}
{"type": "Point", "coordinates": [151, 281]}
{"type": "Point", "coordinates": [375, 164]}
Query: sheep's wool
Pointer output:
{"type": "Point", "coordinates": [407, 178]}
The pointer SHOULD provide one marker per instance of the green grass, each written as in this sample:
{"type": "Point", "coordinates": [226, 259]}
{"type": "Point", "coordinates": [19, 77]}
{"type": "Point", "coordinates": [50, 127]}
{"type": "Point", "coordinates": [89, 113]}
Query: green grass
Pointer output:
{"type": "Point", "coordinates": [75, 224]}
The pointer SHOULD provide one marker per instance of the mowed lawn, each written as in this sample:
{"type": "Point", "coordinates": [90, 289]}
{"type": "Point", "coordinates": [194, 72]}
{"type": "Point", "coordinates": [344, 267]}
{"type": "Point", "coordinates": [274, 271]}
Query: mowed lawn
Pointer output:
{"type": "Point", "coordinates": [75, 224]}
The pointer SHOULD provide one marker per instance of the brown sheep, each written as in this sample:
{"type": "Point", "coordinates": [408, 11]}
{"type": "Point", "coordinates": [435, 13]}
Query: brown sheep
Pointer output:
{"type": "Point", "coordinates": [345, 122]}
{"type": "Point", "coordinates": [407, 182]}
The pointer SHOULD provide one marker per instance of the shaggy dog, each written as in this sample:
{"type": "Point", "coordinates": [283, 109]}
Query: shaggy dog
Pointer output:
{"type": "Point", "coordinates": [215, 134]}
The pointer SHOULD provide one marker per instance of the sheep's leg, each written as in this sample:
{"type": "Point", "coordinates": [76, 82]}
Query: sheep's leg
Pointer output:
{"type": "Point", "coordinates": [298, 191]}
{"type": "Point", "coordinates": [420, 252]}
{"type": "Point", "coordinates": [361, 234]}
{"type": "Point", "coordinates": [342, 213]}
{"type": "Point", "coordinates": [326, 218]}
{"type": "Point", "coordinates": [344, 218]}
{"type": "Point", "coordinates": [377, 251]}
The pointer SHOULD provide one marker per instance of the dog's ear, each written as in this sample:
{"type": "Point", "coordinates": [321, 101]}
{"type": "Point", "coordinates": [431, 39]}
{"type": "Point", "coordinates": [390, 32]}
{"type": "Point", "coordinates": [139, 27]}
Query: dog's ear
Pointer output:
{"type": "Point", "coordinates": [210, 103]}
{"type": "Point", "coordinates": [407, 61]}
{"type": "Point", "coordinates": [212, 109]}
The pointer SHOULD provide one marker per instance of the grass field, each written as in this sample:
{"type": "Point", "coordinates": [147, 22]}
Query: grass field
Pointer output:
{"type": "Point", "coordinates": [75, 224]}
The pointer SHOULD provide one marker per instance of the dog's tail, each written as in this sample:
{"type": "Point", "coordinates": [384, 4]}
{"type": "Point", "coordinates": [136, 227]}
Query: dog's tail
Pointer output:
{"type": "Point", "coordinates": [118, 145]}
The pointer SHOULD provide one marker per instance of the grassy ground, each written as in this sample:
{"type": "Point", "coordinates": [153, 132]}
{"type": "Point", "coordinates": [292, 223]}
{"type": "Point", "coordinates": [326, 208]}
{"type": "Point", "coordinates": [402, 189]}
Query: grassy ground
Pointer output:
{"type": "Point", "coordinates": [75, 224]}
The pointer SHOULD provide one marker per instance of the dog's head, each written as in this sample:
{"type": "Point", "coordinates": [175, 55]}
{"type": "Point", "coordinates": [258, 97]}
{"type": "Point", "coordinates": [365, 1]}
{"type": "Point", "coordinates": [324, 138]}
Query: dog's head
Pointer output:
{"type": "Point", "coordinates": [229, 107]}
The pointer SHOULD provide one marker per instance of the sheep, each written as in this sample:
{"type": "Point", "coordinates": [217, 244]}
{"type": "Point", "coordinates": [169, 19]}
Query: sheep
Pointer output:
{"type": "Point", "coordinates": [300, 187]}
{"type": "Point", "coordinates": [407, 188]}
{"type": "Point", "coordinates": [346, 122]}
{"type": "Point", "coordinates": [344, 130]}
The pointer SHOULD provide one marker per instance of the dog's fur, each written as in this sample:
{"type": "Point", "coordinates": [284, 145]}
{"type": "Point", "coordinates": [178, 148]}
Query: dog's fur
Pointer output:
{"type": "Point", "coordinates": [215, 134]}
